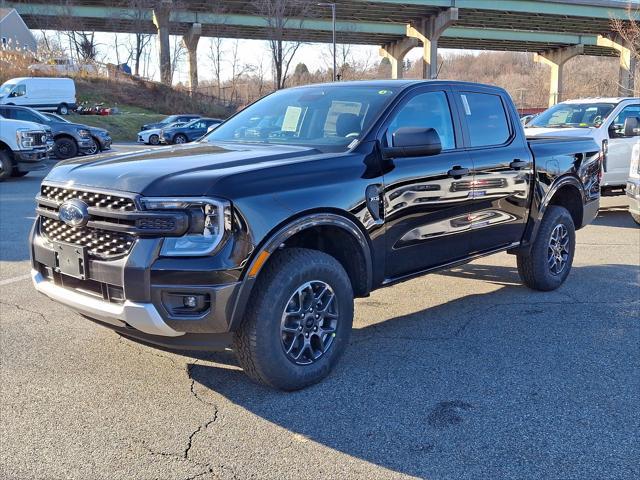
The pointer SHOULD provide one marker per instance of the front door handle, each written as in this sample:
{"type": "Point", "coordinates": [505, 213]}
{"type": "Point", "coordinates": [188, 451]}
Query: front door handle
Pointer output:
{"type": "Point", "coordinates": [517, 164]}
{"type": "Point", "coordinates": [458, 172]}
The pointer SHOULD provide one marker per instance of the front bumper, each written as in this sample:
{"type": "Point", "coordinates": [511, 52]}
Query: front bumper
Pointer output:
{"type": "Point", "coordinates": [138, 292]}
{"type": "Point", "coordinates": [104, 142]}
{"type": "Point", "coordinates": [633, 192]}
{"type": "Point", "coordinates": [30, 160]}
{"type": "Point", "coordinates": [140, 316]}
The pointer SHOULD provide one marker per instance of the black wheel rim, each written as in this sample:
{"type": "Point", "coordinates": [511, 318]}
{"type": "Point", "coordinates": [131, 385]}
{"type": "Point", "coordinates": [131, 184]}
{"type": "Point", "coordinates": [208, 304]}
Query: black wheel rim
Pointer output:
{"type": "Point", "coordinates": [64, 149]}
{"type": "Point", "coordinates": [309, 322]}
{"type": "Point", "coordinates": [558, 251]}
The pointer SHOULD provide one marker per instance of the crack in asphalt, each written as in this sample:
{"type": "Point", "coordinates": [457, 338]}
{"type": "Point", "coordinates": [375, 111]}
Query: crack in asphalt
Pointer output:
{"type": "Point", "coordinates": [21, 308]}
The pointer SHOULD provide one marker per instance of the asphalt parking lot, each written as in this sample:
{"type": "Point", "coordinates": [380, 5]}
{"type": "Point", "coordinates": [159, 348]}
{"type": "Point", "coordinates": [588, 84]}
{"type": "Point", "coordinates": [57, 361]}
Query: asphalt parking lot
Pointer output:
{"type": "Point", "coordinates": [460, 375]}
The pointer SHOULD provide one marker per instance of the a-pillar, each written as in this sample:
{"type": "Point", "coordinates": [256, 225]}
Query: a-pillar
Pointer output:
{"type": "Point", "coordinates": [396, 52]}
{"type": "Point", "coordinates": [190, 41]}
{"type": "Point", "coordinates": [556, 59]}
{"type": "Point", "coordinates": [626, 81]}
{"type": "Point", "coordinates": [427, 31]}
{"type": "Point", "coordinates": [161, 14]}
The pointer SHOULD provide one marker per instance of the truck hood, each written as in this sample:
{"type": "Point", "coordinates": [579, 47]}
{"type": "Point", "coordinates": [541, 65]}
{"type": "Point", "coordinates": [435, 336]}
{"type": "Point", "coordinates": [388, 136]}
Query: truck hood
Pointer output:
{"type": "Point", "coordinates": [191, 169]}
{"type": "Point", "coordinates": [558, 132]}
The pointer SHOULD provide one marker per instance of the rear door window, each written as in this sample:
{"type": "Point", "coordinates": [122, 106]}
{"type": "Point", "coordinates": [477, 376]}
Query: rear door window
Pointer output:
{"type": "Point", "coordinates": [486, 119]}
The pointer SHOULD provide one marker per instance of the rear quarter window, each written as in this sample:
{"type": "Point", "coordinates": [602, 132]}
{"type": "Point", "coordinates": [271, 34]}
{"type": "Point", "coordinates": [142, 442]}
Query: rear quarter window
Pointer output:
{"type": "Point", "coordinates": [486, 119]}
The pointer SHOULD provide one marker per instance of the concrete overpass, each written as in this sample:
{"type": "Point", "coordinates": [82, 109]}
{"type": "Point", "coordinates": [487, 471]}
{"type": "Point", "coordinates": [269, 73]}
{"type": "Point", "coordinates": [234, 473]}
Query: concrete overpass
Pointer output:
{"type": "Point", "coordinates": [556, 30]}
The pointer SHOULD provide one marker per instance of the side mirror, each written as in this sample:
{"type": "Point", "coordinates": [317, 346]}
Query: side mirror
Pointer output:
{"type": "Point", "coordinates": [414, 142]}
{"type": "Point", "coordinates": [631, 127]}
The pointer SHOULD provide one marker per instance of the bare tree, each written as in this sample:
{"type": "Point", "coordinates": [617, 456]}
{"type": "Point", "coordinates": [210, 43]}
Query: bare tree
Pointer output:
{"type": "Point", "coordinates": [281, 15]}
{"type": "Point", "coordinates": [216, 53]}
{"type": "Point", "coordinates": [178, 51]}
{"type": "Point", "coordinates": [629, 30]}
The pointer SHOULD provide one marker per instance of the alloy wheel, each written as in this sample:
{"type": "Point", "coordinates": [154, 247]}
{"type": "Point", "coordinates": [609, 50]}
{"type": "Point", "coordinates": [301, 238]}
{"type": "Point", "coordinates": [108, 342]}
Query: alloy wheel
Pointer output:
{"type": "Point", "coordinates": [558, 249]}
{"type": "Point", "coordinates": [309, 322]}
{"type": "Point", "coordinates": [93, 149]}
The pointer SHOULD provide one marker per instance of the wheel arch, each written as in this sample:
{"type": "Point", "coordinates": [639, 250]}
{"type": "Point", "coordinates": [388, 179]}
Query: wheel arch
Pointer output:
{"type": "Point", "coordinates": [330, 231]}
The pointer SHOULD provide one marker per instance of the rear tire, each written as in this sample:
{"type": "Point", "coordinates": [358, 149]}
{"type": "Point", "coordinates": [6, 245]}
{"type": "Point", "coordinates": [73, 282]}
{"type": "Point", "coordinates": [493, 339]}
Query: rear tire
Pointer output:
{"type": "Point", "coordinates": [63, 109]}
{"type": "Point", "coordinates": [6, 166]}
{"type": "Point", "coordinates": [65, 148]}
{"type": "Point", "coordinates": [549, 261]}
{"type": "Point", "coordinates": [303, 282]}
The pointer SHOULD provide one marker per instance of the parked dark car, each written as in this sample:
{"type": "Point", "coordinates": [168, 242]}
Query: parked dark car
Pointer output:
{"type": "Point", "coordinates": [262, 242]}
{"type": "Point", "coordinates": [184, 118]}
{"type": "Point", "coordinates": [70, 139]}
{"type": "Point", "coordinates": [189, 132]}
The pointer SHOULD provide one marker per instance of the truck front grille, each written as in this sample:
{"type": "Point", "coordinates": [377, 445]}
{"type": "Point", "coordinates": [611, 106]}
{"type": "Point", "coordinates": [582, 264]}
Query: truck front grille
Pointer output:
{"type": "Point", "coordinates": [103, 236]}
{"type": "Point", "coordinates": [100, 243]}
{"type": "Point", "coordinates": [92, 199]}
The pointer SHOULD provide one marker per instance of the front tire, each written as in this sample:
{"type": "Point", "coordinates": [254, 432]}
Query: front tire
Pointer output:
{"type": "Point", "coordinates": [95, 147]}
{"type": "Point", "coordinates": [154, 139]}
{"type": "Point", "coordinates": [6, 166]}
{"type": "Point", "coordinates": [179, 139]}
{"type": "Point", "coordinates": [298, 321]}
{"type": "Point", "coordinates": [65, 148]}
{"type": "Point", "coordinates": [549, 261]}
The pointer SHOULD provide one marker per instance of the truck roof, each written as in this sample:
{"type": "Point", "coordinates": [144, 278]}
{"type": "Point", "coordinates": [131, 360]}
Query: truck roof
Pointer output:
{"type": "Point", "coordinates": [402, 83]}
{"type": "Point", "coordinates": [601, 100]}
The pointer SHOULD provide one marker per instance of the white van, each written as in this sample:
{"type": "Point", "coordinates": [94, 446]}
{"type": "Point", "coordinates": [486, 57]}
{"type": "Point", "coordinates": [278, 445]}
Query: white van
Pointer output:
{"type": "Point", "coordinates": [43, 93]}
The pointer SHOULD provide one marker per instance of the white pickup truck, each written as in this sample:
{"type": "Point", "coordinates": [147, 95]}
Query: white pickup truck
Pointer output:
{"type": "Point", "coordinates": [23, 147]}
{"type": "Point", "coordinates": [601, 119]}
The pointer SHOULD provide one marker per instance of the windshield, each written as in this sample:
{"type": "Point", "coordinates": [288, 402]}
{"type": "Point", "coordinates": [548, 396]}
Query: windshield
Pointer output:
{"type": "Point", "coordinates": [329, 118]}
{"type": "Point", "coordinates": [168, 120]}
{"type": "Point", "coordinates": [55, 118]}
{"type": "Point", "coordinates": [571, 115]}
{"type": "Point", "coordinates": [6, 88]}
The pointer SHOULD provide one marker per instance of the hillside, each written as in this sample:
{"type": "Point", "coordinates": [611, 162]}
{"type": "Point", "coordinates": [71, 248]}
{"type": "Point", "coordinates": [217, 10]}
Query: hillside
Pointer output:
{"type": "Point", "coordinates": [139, 101]}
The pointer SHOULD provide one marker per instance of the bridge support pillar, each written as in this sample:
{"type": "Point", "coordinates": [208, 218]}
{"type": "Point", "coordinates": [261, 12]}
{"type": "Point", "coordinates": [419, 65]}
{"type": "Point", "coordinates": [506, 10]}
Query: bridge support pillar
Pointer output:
{"type": "Point", "coordinates": [190, 41]}
{"type": "Point", "coordinates": [427, 31]}
{"type": "Point", "coordinates": [626, 80]}
{"type": "Point", "coordinates": [161, 21]}
{"type": "Point", "coordinates": [396, 52]}
{"type": "Point", "coordinates": [556, 60]}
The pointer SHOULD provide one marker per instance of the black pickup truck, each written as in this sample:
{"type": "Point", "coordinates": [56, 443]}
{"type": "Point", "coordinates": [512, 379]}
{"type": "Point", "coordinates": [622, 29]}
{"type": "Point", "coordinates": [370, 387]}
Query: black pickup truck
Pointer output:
{"type": "Point", "coordinates": [260, 235]}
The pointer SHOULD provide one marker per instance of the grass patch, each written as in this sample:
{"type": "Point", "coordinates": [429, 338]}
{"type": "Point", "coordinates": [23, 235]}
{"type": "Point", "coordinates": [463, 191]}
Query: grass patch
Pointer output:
{"type": "Point", "coordinates": [123, 127]}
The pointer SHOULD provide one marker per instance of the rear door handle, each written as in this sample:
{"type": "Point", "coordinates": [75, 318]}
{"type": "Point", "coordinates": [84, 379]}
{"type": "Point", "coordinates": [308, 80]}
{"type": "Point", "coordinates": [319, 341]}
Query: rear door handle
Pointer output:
{"type": "Point", "coordinates": [517, 164]}
{"type": "Point", "coordinates": [457, 172]}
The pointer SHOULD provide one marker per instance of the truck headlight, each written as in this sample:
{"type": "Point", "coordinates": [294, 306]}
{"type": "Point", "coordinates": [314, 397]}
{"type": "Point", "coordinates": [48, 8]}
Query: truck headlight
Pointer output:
{"type": "Point", "coordinates": [26, 138]}
{"type": "Point", "coordinates": [84, 133]}
{"type": "Point", "coordinates": [210, 220]}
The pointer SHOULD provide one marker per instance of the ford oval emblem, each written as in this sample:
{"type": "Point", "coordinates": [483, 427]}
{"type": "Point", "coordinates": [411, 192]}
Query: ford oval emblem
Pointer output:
{"type": "Point", "coordinates": [74, 212]}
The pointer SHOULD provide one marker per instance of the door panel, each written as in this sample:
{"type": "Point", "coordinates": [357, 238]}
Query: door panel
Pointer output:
{"type": "Point", "coordinates": [620, 147]}
{"type": "Point", "coordinates": [426, 214]}
{"type": "Point", "coordinates": [503, 170]}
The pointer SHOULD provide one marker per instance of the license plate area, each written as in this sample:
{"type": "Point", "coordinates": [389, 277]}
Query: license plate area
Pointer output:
{"type": "Point", "coordinates": [71, 260]}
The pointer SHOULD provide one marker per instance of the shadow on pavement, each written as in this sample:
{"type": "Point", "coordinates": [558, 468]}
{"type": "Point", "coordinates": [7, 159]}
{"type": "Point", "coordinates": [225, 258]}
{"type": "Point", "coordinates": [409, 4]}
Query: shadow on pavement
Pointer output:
{"type": "Point", "coordinates": [617, 216]}
{"type": "Point", "coordinates": [466, 382]}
